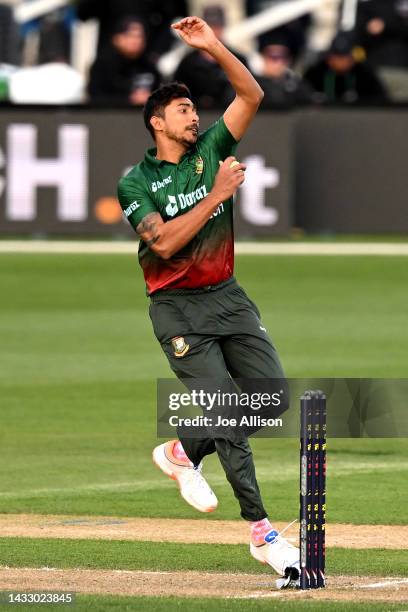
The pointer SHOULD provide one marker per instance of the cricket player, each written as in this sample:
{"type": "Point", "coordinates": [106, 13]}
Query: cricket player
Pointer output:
{"type": "Point", "coordinates": [179, 200]}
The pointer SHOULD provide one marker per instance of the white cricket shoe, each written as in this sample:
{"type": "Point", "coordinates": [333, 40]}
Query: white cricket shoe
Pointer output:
{"type": "Point", "coordinates": [279, 554]}
{"type": "Point", "coordinates": [193, 486]}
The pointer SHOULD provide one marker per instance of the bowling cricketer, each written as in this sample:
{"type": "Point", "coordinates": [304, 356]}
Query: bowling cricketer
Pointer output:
{"type": "Point", "coordinates": [179, 200]}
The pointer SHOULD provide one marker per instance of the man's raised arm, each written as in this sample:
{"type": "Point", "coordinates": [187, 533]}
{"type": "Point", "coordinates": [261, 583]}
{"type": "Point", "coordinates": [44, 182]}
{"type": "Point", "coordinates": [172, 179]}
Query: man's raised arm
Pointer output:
{"type": "Point", "coordinates": [198, 34]}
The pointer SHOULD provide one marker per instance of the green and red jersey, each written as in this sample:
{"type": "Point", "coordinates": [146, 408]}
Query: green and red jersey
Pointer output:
{"type": "Point", "coordinates": [172, 190]}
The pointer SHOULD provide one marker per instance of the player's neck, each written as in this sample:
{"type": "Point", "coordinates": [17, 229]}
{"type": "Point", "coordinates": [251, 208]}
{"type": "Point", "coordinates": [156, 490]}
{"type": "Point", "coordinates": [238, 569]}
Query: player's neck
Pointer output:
{"type": "Point", "coordinates": [170, 151]}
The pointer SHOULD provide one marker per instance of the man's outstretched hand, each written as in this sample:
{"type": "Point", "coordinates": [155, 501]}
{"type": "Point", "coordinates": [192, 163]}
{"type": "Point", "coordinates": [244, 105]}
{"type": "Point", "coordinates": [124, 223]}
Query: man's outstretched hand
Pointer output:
{"type": "Point", "coordinates": [196, 33]}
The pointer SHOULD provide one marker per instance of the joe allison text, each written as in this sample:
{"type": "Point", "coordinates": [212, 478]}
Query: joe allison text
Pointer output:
{"type": "Point", "coordinates": [205, 421]}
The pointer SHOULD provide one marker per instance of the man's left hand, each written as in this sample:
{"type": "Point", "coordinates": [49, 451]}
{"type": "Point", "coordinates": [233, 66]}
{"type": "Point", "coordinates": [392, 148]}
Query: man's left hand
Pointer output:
{"type": "Point", "coordinates": [196, 33]}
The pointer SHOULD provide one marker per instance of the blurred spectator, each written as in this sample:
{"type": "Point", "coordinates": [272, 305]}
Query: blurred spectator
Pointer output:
{"type": "Point", "coordinates": [283, 88]}
{"type": "Point", "coordinates": [295, 31]}
{"type": "Point", "coordinates": [9, 36]}
{"type": "Point", "coordinates": [382, 27]}
{"type": "Point", "coordinates": [338, 78]}
{"type": "Point", "coordinates": [123, 74]}
{"type": "Point", "coordinates": [156, 15]}
{"type": "Point", "coordinates": [235, 13]}
{"type": "Point", "coordinates": [204, 77]}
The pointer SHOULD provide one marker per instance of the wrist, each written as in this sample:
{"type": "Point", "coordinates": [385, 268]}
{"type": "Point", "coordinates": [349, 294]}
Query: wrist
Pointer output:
{"type": "Point", "coordinates": [214, 198]}
{"type": "Point", "coordinates": [214, 47]}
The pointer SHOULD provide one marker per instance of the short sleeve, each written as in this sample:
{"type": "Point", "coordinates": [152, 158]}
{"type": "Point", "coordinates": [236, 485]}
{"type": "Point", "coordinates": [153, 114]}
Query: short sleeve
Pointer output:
{"type": "Point", "coordinates": [219, 138]}
{"type": "Point", "coordinates": [134, 200]}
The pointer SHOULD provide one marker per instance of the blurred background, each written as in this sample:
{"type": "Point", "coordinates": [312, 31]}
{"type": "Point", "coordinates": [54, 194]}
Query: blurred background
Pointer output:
{"type": "Point", "coordinates": [326, 154]}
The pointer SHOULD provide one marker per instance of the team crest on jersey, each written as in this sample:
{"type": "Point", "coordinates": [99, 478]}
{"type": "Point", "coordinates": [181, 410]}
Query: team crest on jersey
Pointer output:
{"type": "Point", "coordinates": [199, 165]}
{"type": "Point", "coordinates": [180, 347]}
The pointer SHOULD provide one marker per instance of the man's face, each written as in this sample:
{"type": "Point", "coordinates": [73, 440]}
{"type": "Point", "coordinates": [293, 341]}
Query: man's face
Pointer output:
{"type": "Point", "coordinates": [131, 43]}
{"type": "Point", "coordinates": [276, 60]}
{"type": "Point", "coordinates": [181, 121]}
{"type": "Point", "coordinates": [340, 63]}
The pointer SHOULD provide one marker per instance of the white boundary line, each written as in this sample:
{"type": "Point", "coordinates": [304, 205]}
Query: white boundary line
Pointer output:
{"type": "Point", "coordinates": [241, 248]}
{"type": "Point", "coordinates": [381, 585]}
{"type": "Point", "coordinates": [315, 248]}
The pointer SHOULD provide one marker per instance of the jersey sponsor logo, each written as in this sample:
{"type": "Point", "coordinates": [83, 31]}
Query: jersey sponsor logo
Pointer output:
{"type": "Point", "coordinates": [185, 200]}
{"type": "Point", "coordinates": [219, 211]}
{"type": "Point", "coordinates": [160, 184]}
{"type": "Point", "coordinates": [130, 209]}
{"type": "Point", "coordinates": [189, 199]}
{"type": "Point", "coordinates": [172, 208]}
{"type": "Point", "coordinates": [180, 347]}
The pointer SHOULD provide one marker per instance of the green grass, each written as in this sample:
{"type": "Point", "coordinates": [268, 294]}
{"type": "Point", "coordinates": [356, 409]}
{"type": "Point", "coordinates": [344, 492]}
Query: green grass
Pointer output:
{"type": "Point", "coordinates": [167, 604]}
{"type": "Point", "coordinates": [84, 603]}
{"type": "Point", "coordinates": [100, 472]}
{"type": "Point", "coordinates": [78, 364]}
{"type": "Point", "coordinates": [158, 556]}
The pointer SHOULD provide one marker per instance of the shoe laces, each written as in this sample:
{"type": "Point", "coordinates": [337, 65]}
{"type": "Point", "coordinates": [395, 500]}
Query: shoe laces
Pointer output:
{"type": "Point", "coordinates": [279, 539]}
{"type": "Point", "coordinates": [196, 476]}
{"type": "Point", "coordinates": [284, 540]}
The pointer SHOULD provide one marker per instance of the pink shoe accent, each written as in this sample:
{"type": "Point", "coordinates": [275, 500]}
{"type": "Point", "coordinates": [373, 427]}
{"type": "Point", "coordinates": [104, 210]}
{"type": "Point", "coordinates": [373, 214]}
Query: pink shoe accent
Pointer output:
{"type": "Point", "coordinates": [178, 452]}
{"type": "Point", "coordinates": [259, 529]}
{"type": "Point", "coordinates": [170, 454]}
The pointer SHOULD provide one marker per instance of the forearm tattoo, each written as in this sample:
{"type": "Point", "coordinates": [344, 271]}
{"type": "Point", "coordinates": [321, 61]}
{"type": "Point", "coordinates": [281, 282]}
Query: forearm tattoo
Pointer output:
{"type": "Point", "coordinates": [148, 228]}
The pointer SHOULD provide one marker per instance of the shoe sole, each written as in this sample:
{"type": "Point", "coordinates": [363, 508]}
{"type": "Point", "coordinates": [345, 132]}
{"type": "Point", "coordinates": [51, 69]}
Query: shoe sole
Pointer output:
{"type": "Point", "coordinates": [161, 462]}
{"type": "Point", "coordinates": [257, 555]}
{"type": "Point", "coordinates": [254, 552]}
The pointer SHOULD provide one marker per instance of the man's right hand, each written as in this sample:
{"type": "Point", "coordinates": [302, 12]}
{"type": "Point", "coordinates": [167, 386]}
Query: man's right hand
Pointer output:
{"type": "Point", "coordinates": [228, 179]}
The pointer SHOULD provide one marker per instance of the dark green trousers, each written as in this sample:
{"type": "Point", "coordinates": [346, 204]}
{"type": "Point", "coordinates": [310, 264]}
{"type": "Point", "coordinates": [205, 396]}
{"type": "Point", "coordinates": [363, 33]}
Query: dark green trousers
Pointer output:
{"type": "Point", "coordinates": [225, 337]}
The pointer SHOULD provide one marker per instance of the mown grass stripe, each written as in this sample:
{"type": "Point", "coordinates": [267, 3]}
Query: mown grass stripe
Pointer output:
{"type": "Point", "coordinates": [60, 553]}
{"type": "Point", "coordinates": [99, 603]}
{"type": "Point", "coordinates": [169, 604]}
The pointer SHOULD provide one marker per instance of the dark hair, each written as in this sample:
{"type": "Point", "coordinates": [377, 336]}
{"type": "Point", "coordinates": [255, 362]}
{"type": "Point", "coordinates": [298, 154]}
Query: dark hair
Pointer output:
{"type": "Point", "coordinates": [342, 44]}
{"type": "Point", "coordinates": [160, 98]}
{"type": "Point", "coordinates": [125, 23]}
